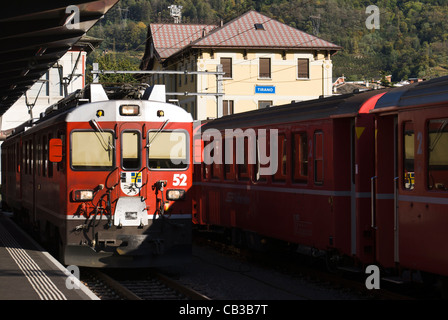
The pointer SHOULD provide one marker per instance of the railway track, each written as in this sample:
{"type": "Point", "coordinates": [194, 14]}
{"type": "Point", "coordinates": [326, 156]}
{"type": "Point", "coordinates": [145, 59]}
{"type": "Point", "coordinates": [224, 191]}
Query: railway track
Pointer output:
{"type": "Point", "coordinates": [314, 270]}
{"type": "Point", "coordinates": [141, 285]}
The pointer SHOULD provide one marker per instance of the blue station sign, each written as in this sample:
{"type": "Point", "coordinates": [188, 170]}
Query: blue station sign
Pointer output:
{"type": "Point", "coordinates": [265, 89]}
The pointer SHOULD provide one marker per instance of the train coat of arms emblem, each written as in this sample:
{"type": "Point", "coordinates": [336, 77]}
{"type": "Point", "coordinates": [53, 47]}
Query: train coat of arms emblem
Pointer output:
{"type": "Point", "coordinates": [131, 183]}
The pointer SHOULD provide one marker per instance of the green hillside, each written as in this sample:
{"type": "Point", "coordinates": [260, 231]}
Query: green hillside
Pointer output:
{"type": "Point", "coordinates": [412, 40]}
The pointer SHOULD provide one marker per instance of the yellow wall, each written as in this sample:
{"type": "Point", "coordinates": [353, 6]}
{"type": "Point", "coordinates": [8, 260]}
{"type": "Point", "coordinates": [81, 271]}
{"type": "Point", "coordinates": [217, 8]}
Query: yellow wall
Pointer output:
{"type": "Point", "coordinates": [241, 87]}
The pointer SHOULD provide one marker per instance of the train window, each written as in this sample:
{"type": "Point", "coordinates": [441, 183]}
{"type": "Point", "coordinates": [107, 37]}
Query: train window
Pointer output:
{"type": "Point", "coordinates": [319, 157]}
{"type": "Point", "coordinates": [39, 156]}
{"type": "Point", "coordinates": [61, 165]}
{"type": "Point", "coordinates": [205, 167]}
{"type": "Point", "coordinates": [229, 169]}
{"type": "Point", "coordinates": [167, 150]}
{"type": "Point", "coordinates": [31, 157]}
{"type": "Point", "coordinates": [24, 153]}
{"type": "Point", "coordinates": [18, 158]}
{"type": "Point", "coordinates": [257, 177]}
{"type": "Point", "coordinates": [44, 155]}
{"type": "Point", "coordinates": [131, 150]}
{"type": "Point", "coordinates": [92, 150]}
{"type": "Point", "coordinates": [216, 154]}
{"type": "Point", "coordinates": [408, 156]}
{"type": "Point", "coordinates": [438, 154]}
{"type": "Point", "coordinates": [280, 175]}
{"type": "Point", "coordinates": [47, 156]}
{"type": "Point", "coordinates": [28, 157]}
{"type": "Point", "coordinates": [243, 168]}
{"type": "Point", "coordinates": [300, 157]}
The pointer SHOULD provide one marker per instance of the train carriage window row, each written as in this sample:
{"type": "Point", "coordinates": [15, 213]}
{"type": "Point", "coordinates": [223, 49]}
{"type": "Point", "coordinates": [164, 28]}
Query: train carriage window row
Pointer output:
{"type": "Point", "coordinates": [294, 153]}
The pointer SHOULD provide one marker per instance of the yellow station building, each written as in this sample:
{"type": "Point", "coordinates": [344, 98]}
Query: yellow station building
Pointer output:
{"type": "Point", "coordinates": [266, 63]}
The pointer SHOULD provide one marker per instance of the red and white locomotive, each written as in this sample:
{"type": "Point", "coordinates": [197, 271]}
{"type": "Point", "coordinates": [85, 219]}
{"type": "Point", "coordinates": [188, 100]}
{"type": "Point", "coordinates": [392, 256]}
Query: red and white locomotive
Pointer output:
{"type": "Point", "coordinates": [105, 180]}
{"type": "Point", "coordinates": [362, 175]}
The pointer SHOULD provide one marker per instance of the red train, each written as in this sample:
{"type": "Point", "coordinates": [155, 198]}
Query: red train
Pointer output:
{"type": "Point", "coordinates": [363, 176]}
{"type": "Point", "coordinates": [105, 178]}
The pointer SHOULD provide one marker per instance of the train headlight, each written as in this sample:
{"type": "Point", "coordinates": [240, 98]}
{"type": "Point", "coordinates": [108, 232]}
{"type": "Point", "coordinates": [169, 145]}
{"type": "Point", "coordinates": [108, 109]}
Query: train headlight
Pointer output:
{"type": "Point", "coordinates": [83, 195]}
{"type": "Point", "coordinates": [129, 110]}
{"type": "Point", "coordinates": [175, 194]}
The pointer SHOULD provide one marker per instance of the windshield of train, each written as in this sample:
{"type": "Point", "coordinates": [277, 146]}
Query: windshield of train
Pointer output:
{"type": "Point", "coordinates": [91, 150]}
{"type": "Point", "coordinates": [167, 150]}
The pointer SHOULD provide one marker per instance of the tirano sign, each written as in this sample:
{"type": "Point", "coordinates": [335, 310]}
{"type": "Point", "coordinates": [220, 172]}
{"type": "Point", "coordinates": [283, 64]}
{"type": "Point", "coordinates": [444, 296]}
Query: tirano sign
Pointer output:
{"type": "Point", "coordinates": [265, 89]}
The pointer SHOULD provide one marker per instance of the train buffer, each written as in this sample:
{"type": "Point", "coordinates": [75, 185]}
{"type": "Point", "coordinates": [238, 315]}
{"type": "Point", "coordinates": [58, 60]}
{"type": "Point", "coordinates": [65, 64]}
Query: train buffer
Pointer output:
{"type": "Point", "coordinates": [28, 272]}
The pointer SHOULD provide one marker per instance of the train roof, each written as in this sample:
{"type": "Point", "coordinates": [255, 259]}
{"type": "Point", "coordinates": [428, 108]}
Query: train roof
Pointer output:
{"type": "Point", "coordinates": [431, 92]}
{"type": "Point", "coordinates": [347, 105]}
{"type": "Point", "coordinates": [83, 105]}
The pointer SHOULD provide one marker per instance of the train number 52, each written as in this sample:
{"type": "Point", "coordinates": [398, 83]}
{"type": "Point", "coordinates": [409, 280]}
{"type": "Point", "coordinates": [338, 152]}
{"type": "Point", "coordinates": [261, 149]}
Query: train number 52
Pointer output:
{"type": "Point", "coordinates": [179, 179]}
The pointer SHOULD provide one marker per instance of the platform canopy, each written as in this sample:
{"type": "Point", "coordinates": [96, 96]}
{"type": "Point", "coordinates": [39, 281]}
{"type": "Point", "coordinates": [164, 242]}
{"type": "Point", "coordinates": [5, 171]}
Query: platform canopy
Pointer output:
{"type": "Point", "coordinates": [34, 34]}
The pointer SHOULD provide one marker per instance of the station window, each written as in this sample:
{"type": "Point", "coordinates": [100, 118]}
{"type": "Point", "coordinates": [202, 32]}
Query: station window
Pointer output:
{"type": "Point", "coordinates": [303, 68]}
{"type": "Point", "coordinates": [408, 156]}
{"type": "Point", "coordinates": [227, 67]}
{"type": "Point", "coordinates": [300, 157]}
{"type": "Point", "coordinates": [318, 157]}
{"type": "Point", "coordinates": [227, 107]}
{"type": "Point", "coordinates": [264, 104]}
{"type": "Point", "coordinates": [264, 68]}
{"type": "Point", "coordinates": [438, 154]}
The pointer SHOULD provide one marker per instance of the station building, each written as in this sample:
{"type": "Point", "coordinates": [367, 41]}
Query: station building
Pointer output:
{"type": "Point", "coordinates": [266, 63]}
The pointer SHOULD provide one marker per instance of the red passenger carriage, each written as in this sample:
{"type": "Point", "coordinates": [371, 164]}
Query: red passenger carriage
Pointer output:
{"type": "Point", "coordinates": [318, 198]}
{"type": "Point", "coordinates": [411, 187]}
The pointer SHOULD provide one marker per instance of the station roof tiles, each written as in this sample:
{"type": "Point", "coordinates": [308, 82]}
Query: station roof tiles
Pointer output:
{"type": "Point", "coordinates": [173, 37]}
{"type": "Point", "coordinates": [251, 30]}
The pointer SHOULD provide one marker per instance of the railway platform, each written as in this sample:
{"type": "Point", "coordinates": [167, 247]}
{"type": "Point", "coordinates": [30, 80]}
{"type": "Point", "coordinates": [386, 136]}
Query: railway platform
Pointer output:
{"type": "Point", "coordinates": [28, 272]}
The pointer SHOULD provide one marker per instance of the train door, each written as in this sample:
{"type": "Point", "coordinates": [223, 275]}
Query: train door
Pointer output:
{"type": "Point", "coordinates": [132, 176]}
{"type": "Point", "coordinates": [384, 211]}
{"type": "Point", "coordinates": [362, 137]}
